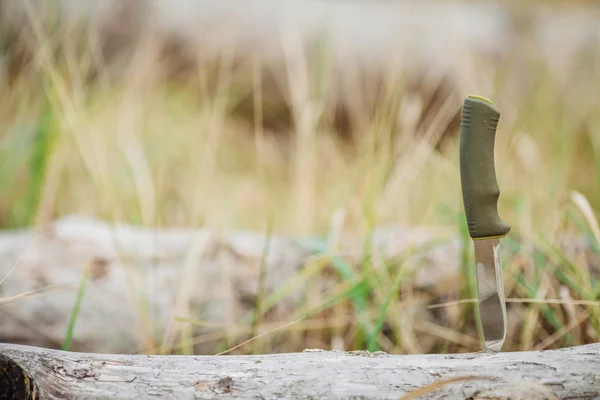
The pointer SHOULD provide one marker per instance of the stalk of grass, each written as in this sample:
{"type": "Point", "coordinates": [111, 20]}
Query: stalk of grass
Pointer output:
{"type": "Point", "coordinates": [29, 294]}
{"type": "Point", "coordinates": [43, 141]}
{"type": "Point", "coordinates": [76, 307]}
{"type": "Point", "coordinates": [300, 325]}
{"type": "Point", "coordinates": [571, 275]}
{"type": "Point", "coordinates": [359, 293]}
{"type": "Point", "coordinates": [187, 284]}
{"type": "Point", "coordinates": [372, 344]}
{"type": "Point", "coordinates": [260, 290]}
{"type": "Point", "coordinates": [530, 323]}
{"type": "Point", "coordinates": [310, 270]}
{"type": "Point", "coordinates": [346, 291]}
{"type": "Point", "coordinates": [255, 336]}
{"type": "Point", "coordinates": [468, 275]}
{"type": "Point", "coordinates": [367, 274]}
{"type": "Point", "coordinates": [545, 310]}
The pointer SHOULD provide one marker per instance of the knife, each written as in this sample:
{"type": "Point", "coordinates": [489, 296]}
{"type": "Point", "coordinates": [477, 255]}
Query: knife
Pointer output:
{"type": "Point", "coordinates": [480, 198]}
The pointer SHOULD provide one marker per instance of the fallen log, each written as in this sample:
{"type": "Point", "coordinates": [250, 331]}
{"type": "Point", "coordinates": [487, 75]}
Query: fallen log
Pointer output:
{"type": "Point", "coordinates": [36, 373]}
{"type": "Point", "coordinates": [142, 281]}
{"type": "Point", "coordinates": [146, 285]}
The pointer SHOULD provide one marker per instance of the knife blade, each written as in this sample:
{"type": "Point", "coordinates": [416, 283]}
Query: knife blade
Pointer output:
{"type": "Point", "coordinates": [480, 194]}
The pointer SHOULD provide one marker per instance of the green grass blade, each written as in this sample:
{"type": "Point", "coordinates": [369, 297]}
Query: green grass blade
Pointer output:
{"type": "Point", "coordinates": [468, 276]}
{"type": "Point", "coordinates": [360, 294]}
{"type": "Point", "coordinates": [76, 307]}
{"type": "Point", "coordinates": [42, 147]}
{"type": "Point", "coordinates": [372, 345]}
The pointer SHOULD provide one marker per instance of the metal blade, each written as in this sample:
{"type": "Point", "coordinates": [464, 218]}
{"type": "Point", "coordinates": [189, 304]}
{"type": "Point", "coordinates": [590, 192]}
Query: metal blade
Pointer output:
{"type": "Point", "coordinates": [492, 307]}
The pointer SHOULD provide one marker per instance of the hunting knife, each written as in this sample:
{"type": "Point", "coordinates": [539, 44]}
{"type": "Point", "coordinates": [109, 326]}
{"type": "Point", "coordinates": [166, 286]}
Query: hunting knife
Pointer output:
{"type": "Point", "coordinates": [480, 197]}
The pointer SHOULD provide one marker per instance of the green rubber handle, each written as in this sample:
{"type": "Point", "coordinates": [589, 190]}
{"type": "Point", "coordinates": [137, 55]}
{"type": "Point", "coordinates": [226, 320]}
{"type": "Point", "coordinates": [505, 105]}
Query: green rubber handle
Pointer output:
{"type": "Point", "coordinates": [477, 172]}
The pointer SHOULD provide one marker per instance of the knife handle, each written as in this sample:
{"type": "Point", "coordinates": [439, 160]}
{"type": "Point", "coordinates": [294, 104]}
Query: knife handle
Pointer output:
{"type": "Point", "coordinates": [477, 172]}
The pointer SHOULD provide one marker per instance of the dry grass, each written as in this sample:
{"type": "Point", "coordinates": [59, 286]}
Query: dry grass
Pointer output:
{"type": "Point", "coordinates": [231, 143]}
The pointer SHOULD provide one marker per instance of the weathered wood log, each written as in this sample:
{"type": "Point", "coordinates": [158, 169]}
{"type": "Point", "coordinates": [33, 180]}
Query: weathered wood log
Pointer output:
{"type": "Point", "coordinates": [141, 280]}
{"type": "Point", "coordinates": [36, 373]}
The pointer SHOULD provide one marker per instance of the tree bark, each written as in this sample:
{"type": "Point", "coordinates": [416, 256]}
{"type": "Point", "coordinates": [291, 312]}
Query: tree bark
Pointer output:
{"type": "Point", "coordinates": [31, 372]}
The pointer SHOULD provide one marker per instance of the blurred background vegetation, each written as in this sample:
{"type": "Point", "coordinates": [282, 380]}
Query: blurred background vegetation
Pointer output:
{"type": "Point", "coordinates": [137, 119]}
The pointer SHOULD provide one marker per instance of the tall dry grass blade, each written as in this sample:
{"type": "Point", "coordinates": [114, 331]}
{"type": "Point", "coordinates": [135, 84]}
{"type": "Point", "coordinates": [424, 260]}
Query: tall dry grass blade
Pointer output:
{"type": "Point", "coordinates": [550, 340]}
{"type": "Point", "coordinates": [522, 301]}
{"type": "Point", "coordinates": [257, 99]}
{"type": "Point", "coordinates": [431, 328]}
{"type": "Point", "coordinates": [407, 169]}
{"type": "Point", "coordinates": [317, 324]}
{"type": "Point", "coordinates": [305, 119]}
{"type": "Point", "coordinates": [18, 261]}
{"type": "Point", "coordinates": [452, 303]}
{"type": "Point", "coordinates": [204, 193]}
{"type": "Point", "coordinates": [187, 285]}
{"type": "Point", "coordinates": [570, 310]}
{"type": "Point", "coordinates": [258, 336]}
{"type": "Point", "coordinates": [262, 276]}
{"type": "Point", "coordinates": [130, 124]}
{"type": "Point", "coordinates": [532, 315]}
{"type": "Point", "coordinates": [30, 294]}
{"type": "Point", "coordinates": [586, 209]}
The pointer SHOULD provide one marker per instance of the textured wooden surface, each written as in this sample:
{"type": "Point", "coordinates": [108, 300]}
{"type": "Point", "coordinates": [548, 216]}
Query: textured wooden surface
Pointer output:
{"type": "Point", "coordinates": [567, 373]}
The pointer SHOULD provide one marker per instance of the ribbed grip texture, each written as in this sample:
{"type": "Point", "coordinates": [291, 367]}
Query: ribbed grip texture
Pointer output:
{"type": "Point", "coordinates": [477, 171]}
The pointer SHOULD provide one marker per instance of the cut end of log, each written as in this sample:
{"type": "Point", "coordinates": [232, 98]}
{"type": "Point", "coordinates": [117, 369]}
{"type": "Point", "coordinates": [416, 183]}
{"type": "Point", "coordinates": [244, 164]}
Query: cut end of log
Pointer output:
{"type": "Point", "coordinates": [15, 383]}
